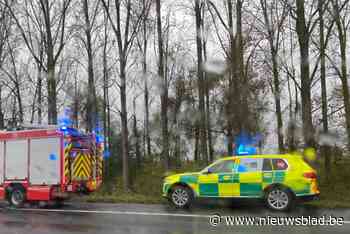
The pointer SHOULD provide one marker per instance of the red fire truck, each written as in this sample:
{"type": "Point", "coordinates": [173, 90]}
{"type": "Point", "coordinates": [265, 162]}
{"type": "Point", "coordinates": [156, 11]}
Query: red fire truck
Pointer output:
{"type": "Point", "coordinates": [47, 165]}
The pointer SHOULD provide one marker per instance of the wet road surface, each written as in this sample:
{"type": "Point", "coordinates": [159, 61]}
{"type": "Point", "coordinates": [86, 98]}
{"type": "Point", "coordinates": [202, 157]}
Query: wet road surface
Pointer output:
{"type": "Point", "coordinates": [154, 219]}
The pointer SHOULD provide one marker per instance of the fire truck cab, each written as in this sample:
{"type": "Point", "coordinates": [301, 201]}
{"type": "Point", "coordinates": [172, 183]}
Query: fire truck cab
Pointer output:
{"type": "Point", "coordinates": [47, 165]}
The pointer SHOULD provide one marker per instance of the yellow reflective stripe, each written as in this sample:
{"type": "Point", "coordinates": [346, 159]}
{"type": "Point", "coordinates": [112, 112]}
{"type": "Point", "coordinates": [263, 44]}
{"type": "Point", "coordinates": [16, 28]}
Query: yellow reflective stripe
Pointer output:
{"type": "Point", "coordinates": [82, 166]}
{"type": "Point", "coordinates": [66, 161]}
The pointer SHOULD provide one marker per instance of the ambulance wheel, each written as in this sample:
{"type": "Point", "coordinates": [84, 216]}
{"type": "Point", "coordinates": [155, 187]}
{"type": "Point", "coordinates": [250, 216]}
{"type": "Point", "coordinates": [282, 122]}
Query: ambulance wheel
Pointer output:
{"type": "Point", "coordinates": [181, 196]}
{"type": "Point", "coordinates": [17, 196]}
{"type": "Point", "coordinates": [279, 198]}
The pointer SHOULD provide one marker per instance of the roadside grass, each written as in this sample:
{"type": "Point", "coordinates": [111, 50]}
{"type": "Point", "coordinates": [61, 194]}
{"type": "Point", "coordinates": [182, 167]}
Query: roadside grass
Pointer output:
{"type": "Point", "coordinates": [335, 194]}
{"type": "Point", "coordinates": [147, 185]}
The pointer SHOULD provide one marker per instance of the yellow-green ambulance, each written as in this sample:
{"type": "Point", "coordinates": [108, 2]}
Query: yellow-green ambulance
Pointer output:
{"type": "Point", "coordinates": [278, 179]}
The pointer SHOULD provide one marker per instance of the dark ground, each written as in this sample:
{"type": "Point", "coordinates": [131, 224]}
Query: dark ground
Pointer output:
{"type": "Point", "coordinates": [153, 219]}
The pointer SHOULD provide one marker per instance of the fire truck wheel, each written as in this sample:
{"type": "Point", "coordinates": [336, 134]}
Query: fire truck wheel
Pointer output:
{"type": "Point", "coordinates": [58, 204]}
{"type": "Point", "coordinates": [17, 197]}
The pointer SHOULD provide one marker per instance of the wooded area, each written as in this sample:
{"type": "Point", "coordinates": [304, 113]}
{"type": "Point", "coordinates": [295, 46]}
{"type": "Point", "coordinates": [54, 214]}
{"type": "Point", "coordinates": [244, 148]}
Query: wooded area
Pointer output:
{"type": "Point", "coordinates": [172, 81]}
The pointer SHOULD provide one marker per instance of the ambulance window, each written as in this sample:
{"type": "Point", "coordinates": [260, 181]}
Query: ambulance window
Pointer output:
{"type": "Point", "coordinates": [225, 166]}
{"type": "Point", "coordinates": [267, 165]}
{"type": "Point", "coordinates": [279, 164]}
{"type": "Point", "coordinates": [250, 165]}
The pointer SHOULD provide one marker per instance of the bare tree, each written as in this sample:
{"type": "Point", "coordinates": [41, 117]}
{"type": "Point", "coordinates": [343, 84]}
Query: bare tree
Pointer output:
{"type": "Point", "coordinates": [237, 92]}
{"type": "Point", "coordinates": [54, 23]}
{"type": "Point", "coordinates": [164, 91]}
{"type": "Point", "coordinates": [2, 122]}
{"type": "Point", "coordinates": [304, 28]}
{"type": "Point", "coordinates": [15, 82]}
{"type": "Point", "coordinates": [5, 26]}
{"type": "Point", "coordinates": [201, 82]}
{"type": "Point", "coordinates": [106, 85]}
{"type": "Point", "coordinates": [125, 38]}
{"type": "Point", "coordinates": [143, 44]}
{"type": "Point", "coordinates": [339, 12]}
{"type": "Point", "coordinates": [274, 29]}
{"type": "Point", "coordinates": [90, 14]}
{"type": "Point", "coordinates": [325, 149]}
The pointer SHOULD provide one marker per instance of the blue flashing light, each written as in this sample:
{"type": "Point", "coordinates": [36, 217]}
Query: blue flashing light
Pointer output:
{"type": "Point", "coordinates": [246, 150]}
{"type": "Point", "coordinates": [70, 131]}
{"type": "Point", "coordinates": [53, 157]}
{"type": "Point", "coordinates": [106, 154]}
{"type": "Point", "coordinates": [242, 150]}
{"type": "Point", "coordinates": [246, 144]}
{"type": "Point", "coordinates": [99, 138]}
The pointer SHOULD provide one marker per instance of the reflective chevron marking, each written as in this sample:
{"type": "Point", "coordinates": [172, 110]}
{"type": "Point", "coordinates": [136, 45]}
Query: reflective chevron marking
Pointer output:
{"type": "Point", "coordinates": [66, 160]}
{"type": "Point", "coordinates": [100, 166]}
{"type": "Point", "coordinates": [82, 166]}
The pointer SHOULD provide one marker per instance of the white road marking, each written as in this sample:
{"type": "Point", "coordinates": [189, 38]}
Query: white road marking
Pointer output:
{"type": "Point", "coordinates": [118, 212]}
{"type": "Point", "coordinates": [126, 213]}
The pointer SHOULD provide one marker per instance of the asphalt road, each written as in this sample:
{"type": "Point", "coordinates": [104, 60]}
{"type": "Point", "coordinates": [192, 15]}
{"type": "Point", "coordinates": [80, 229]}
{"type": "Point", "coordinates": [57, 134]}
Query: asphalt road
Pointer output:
{"type": "Point", "coordinates": [155, 219]}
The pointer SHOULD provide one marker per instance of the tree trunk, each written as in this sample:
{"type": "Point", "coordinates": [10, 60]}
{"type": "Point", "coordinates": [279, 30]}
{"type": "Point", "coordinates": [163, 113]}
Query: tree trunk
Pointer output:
{"type": "Point", "coordinates": [40, 81]}
{"type": "Point", "coordinates": [17, 89]}
{"type": "Point", "coordinates": [2, 124]}
{"type": "Point", "coordinates": [303, 38]}
{"type": "Point", "coordinates": [201, 85]}
{"type": "Point", "coordinates": [276, 82]}
{"type": "Point", "coordinates": [196, 144]}
{"type": "Point", "coordinates": [124, 120]}
{"type": "Point", "coordinates": [13, 124]}
{"type": "Point", "coordinates": [76, 103]}
{"type": "Point", "coordinates": [147, 129]}
{"type": "Point", "coordinates": [207, 97]}
{"type": "Point", "coordinates": [105, 96]}
{"type": "Point", "coordinates": [136, 137]}
{"type": "Point", "coordinates": [91, 102]}
{"type": "Point", "coordinates": [51, 64]}
{"type": "Point", "coordinates": [325, 150]}
{"type": "Point", "coordinates": [277, 96]}
{"type": "Point", "coordinates": [164, 92]}
{"type": "Point", "coordinates": [208, 127]}
{"type": "Point", "coordinates": [245, 115]}
{"type": "Point", "coordinates": [51, 91]}
{"type": "Point", "coordinates": [342, 37]}
{"type": "Point", "coordinates": [233, 111]}
{"type": "Point", "coordinates": [146, 94]}
{"type": "Point", "coordinates": [40, 98]}
{"type": "Point", "coordinates": [345, 86]}
{"type": "Point", "coordinates": [230, 140]}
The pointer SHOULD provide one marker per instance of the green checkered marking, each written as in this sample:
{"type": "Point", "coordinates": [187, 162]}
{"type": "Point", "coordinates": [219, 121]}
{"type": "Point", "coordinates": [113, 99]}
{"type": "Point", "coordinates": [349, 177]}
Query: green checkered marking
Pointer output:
{"type": "Point", "coordinates": [235, 178]}
{"type": "Point", "coordinates": [209, 189]}
{"type": "Point", "coordinates": [267, 177]}
{"type": "Point", "coordinates": [189, 179]}
{"type": "Point", "coordinates": [250, 189]}
{"type": "Point", "coordinates": [225, 178]}
{"type": "Point", "coordinates": [228, 178]}
{"type": "Point", "coordinates": [278, 176]}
